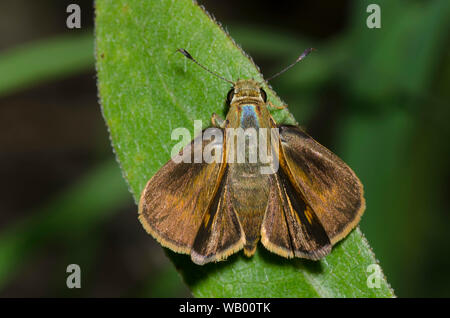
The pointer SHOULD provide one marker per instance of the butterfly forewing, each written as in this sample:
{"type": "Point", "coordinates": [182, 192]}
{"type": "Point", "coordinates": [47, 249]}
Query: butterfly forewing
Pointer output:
{"type": "Point", "coordinates": [329, 186]}
{"type": "Point", "coordinates": [220, 233]}
{"type": "Point", "coordinates": [175, 200]}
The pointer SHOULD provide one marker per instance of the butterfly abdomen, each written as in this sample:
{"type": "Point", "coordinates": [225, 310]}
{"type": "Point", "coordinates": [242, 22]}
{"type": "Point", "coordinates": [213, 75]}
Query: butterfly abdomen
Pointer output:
{"type": "Point", "coordinates": [246, 185]}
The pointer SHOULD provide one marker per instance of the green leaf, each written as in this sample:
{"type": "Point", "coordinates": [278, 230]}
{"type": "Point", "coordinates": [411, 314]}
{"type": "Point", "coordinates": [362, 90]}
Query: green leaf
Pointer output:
{"type": "Point", "coordinates": [147, 90]}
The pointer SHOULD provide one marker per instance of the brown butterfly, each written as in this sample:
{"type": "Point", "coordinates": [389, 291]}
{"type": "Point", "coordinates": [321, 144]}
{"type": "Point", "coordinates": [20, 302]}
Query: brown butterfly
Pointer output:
{"type": "Point", "coordinates": [212, 210]}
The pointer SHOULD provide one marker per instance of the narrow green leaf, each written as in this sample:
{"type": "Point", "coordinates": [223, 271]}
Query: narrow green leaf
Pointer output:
{"type": "Point", "coordinates": [147, 89]}
{"type": "Point", "coordinates": [44, 60]}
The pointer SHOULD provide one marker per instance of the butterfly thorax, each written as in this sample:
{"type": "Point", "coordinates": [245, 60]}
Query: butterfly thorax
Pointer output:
{"type": "Point", "coordinates": [248, 106]}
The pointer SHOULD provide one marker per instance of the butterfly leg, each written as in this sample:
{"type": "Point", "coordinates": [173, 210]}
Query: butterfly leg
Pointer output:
{"type": "Point", "coordinates": [217, 121]}
{"type": "Point", "coordinates": [271, 105]}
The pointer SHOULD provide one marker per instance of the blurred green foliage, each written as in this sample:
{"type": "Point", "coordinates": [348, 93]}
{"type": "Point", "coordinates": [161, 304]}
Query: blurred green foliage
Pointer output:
{"type": "Point", "coordinates": [76, 211]}
{"type": "Point", "coordinates": [390, 90]}
{"type": "Point", "coordinates": [48, 59]}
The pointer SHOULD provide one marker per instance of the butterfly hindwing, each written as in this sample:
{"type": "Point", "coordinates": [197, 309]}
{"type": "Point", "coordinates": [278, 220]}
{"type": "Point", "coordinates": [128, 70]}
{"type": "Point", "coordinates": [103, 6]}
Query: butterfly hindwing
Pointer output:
{"type": "Point", "coordinates": [220, 233]}
{"type": "Point", "coordinates": [290, 227]}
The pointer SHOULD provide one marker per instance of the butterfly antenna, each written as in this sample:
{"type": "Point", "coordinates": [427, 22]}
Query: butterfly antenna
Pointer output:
{"type": "Point", "coordinates": [301, 57]}
{"type": "Point", "coordinates": [189, 56]}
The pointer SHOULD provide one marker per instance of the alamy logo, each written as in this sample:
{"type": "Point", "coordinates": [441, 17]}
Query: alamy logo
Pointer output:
{"type": "Point", "coordinates": [74, 279]}
{"type": "Point", "coordinates": [254, 146]}
{"type": "Point", "coordinates": [374, 19]}
{"type": "Point", "coordinates": [374, 279]}
{"type": "Point", "coordinates": [73, 20]}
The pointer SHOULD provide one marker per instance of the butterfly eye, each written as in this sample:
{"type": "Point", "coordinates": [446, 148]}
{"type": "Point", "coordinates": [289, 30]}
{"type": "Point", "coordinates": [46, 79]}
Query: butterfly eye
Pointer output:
{"type": "Point", "coordinates": [230, 95]}
{"type": "Point", "coordinates": [263, 95]}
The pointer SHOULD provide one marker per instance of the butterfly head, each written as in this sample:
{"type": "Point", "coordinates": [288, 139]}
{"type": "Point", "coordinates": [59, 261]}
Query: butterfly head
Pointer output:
{"type": "Point", "coordinates": [246, 91]}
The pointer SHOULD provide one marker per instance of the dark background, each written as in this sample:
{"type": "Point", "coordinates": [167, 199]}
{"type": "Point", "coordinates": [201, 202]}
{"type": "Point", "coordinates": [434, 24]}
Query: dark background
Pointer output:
{"type": "Point", "coordinates": [381, 102]}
